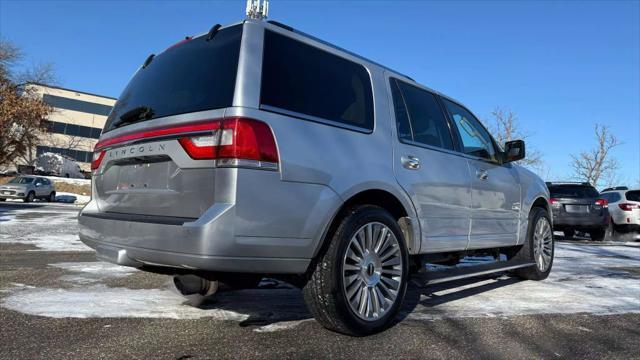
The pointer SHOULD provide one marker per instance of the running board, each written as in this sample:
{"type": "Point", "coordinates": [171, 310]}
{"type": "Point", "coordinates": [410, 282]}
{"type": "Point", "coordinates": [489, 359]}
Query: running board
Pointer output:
{"type": "Point", "coordinates": [440, 276]}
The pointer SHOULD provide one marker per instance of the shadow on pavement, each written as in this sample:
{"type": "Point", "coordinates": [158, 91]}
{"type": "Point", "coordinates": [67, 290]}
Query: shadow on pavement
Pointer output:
{"type": "Point", "coordinates": [283, 302]}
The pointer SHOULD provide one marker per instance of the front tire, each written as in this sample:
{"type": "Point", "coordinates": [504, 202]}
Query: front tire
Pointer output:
{"type": "Point", "coordinates": [539, 247]}
{"type": "Point", "coordinates": [359, 282]}
{"type": "Point", "coordinates": [30, 197]}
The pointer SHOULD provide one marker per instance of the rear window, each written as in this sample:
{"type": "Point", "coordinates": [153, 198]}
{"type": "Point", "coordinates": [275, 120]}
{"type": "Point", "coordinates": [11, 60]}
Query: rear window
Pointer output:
{"type": "Point", "coordinates": [196, 75]}
{"type": "Point", "coordinates": [573, 191]}
{"type": "Point", "coordinates": [633, 195]}
{"type": "Point", "coordinates": [299, 79]}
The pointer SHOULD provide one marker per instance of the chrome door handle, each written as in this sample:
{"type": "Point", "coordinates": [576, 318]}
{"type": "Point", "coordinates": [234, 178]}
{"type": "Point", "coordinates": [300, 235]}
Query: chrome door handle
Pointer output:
{"type": "Point", "coordinates": [410, 162]}
{"type": "Point", "coordinates": [482, 174]}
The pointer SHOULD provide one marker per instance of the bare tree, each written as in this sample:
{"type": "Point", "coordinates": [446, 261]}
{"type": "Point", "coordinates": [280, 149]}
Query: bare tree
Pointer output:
{"type": "Point", "coordinates": [505, 127]}
{"type": "Point", "coordinates": [22, 111]}
{"type": "Point", "coordinates": [597, 166]}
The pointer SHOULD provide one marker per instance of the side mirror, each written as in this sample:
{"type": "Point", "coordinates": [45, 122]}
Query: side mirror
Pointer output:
{"type": "Point", "coordinates": [513, 151]}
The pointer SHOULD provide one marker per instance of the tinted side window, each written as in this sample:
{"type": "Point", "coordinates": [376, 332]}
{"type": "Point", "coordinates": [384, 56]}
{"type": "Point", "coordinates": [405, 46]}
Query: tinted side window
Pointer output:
{"type": "Point", "coordinates": [475, 139]}
{"type": "Point", "coordinates": [633, 195]}
{"type": "Point", "coordinates": [427, 123]}
{"type": "Point", "coordinates": [301, 78]}
{"type": "Point", "coordinates": [402, 117]}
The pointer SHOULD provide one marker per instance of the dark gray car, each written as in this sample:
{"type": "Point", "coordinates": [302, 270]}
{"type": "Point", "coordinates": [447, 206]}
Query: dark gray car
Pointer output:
{"type": "Point", "coordinates": [578, 207]}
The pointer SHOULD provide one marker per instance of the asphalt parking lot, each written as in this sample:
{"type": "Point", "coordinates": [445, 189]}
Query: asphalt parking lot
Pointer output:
{"type": "Point", "coordinates": [58, 301]}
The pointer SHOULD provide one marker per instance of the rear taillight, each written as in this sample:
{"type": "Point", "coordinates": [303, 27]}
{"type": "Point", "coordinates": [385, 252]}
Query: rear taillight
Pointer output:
{"type": "Point", "coordinates": [235, 141]}
{"type": "Point", "coordinates": [554, 203]}
{"type": "Point", "coordinates": [628, 207]}
{"type": "Point", "coordinates": [602, 202]}
{"type": "Point", "coordinates": [98, 155]}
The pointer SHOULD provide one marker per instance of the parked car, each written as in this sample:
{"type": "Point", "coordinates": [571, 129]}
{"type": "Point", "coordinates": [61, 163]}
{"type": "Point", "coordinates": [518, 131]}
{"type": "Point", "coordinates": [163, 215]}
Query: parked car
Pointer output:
{"type": "Point", "coordinates": [624, 208]}
{"type": "Point", "coordinates": [28, 188]}
{"type": "Point", "coordinates": [578, 207]}
{"type": "Point", "coordinates": [256, 149]}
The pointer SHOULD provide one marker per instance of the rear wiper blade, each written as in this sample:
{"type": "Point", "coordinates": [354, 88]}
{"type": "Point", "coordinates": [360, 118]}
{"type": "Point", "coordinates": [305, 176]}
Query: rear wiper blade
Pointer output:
{"type": "Point", "coordinates": [133, 115]}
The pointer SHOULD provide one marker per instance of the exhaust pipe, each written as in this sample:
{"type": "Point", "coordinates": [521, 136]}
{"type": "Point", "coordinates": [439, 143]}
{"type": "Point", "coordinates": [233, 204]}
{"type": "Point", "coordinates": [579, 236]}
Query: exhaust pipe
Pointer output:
{"type": "Point", "coordinates": [192, 284]}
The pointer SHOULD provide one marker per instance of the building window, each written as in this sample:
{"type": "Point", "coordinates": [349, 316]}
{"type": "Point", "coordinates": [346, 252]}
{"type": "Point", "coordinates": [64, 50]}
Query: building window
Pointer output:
{"type": "Point", "coordinates": [73, 130]}
{"type": "Point", "coordinates": [76, 105]}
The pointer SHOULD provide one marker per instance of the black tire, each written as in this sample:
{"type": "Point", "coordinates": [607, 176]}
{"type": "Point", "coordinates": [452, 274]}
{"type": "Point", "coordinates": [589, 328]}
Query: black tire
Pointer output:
{"type": "Point", "coordinates": [30, 197]}
{"type": "Point", "coordinates": [598, 235]}
{"type": "Point", "coordinates": [526, 251]}
{"type": "Point", "coordinates": [52, 197]}
{"type": "Point", "coordinates": [2, 199]}
{"type": "Point", "coordinates": [324, 292]}
{"type": "Point", "coordinates": [568, 234]}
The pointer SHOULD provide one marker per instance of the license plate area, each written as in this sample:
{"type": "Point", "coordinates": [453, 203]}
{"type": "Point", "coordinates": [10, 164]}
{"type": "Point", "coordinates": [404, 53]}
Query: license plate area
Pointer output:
{"type": "Point", "coordinates": [579, 209]}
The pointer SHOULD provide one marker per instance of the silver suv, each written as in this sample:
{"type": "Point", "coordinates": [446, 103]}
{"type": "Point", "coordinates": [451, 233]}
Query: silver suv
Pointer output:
{"type": "Point", "coordinates": [255, 149]}
{"type": "Point", "coordinates": [28, 188]}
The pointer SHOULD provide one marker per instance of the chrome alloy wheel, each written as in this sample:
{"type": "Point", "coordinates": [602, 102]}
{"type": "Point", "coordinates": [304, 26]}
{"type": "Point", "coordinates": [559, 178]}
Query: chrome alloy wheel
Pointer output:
{"type": "Point", "coordinates": [543, 244]}
{"type": "Point", "coordinates": [372, 271]}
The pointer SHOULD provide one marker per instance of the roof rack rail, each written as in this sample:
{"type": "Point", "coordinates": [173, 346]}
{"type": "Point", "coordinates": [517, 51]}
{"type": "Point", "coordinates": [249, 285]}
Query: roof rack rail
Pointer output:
{"type": "Point", "coordinates": [279, 24]}
{"type": "Point", "coordinates": [616, 188]}
{"type": "Point", "coordinates": [567, 183]}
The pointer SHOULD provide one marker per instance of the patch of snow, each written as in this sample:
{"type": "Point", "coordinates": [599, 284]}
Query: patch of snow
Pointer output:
{"type": "Point", "coordinates": [279, 326]}
{"type": "Point", "coordinates": [69, 180]}
{"type": "Point", "coordinates": [99, 301]}
{"type": "Point", "coordinates": [584, 279]}
{"type": "Point", "coordinates": [93, 272]}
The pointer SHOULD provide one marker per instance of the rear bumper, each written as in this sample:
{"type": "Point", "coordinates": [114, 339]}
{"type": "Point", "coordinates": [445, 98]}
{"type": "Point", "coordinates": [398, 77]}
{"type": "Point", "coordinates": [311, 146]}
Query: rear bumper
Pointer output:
{"type": "Point", "coordinates": [204, 244]}
{"type": "Point", "coordinates": [563, 221]}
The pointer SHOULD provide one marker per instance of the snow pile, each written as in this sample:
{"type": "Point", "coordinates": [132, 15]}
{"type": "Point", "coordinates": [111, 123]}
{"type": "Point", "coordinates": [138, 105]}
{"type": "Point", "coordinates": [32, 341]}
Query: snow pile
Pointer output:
{"type": "Point", "coordinates": [51, 163]}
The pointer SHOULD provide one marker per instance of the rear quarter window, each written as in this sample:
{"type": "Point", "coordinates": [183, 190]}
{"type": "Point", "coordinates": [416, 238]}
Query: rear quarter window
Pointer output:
{"type": "Point", "coordinates": [299, 79]}
{"type": "Point", "coordinates": [633, 195]}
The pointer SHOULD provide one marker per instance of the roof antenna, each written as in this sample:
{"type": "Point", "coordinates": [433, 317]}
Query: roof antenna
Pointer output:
{"type": "Point", "coordinates": [257, 9]}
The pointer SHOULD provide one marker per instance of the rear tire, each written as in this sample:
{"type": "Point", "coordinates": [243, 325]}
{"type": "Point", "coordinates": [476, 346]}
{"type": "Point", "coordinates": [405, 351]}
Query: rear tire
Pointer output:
{"type": "Point", "coordinates": [531, 250]}
{"type": "Point", "coordinates": [598, 235]}
{"type": "Point", "coordinates": [30, 197]}
{"type": "Point", "coordinates": [568, 234]}
{"type": "Point", "coordinates": [367, 263]}
{"type": "Point", "coordinates": [52, 197]}
{"type": "Point", "coordinates": [2, 199]}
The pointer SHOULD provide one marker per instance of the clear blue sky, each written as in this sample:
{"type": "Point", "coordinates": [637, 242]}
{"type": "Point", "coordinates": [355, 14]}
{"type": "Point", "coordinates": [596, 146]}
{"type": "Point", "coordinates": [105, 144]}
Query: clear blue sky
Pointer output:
{"type": "Point", "coordinates": [561, 66]}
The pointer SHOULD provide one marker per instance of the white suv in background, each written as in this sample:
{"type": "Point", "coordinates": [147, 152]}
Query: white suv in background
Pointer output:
{"type": "Point", "coordinates": [624, 208]}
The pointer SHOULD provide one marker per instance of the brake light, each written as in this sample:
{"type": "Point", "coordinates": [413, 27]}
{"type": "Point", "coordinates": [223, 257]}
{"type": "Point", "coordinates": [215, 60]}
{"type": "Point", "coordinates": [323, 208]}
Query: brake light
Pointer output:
{"type": "Point", "coordinates": [554, 203]}
{"type": "Point", "coordinates": [234, 139]}
{"type": "Point", "coordinates": [628, 207]}
{"type": "Point", "coordinates": [602, 202]}
{"type": "Point", "coordinates": [97, 159]}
